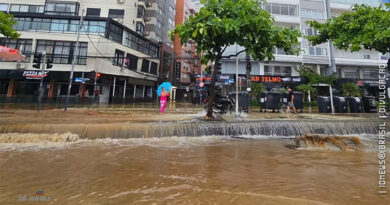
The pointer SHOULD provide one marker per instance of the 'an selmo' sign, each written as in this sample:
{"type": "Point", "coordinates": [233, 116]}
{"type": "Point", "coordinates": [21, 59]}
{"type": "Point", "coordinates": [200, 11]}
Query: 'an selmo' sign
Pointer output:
{"type": "Point", "coordinates": [275, 79]}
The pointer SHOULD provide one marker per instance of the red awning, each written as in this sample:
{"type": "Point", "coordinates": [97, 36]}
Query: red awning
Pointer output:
{"type": "Point", "coordinates": [10, 54]}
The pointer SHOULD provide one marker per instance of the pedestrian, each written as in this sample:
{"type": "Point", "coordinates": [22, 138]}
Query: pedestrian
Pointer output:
{"type": "Point", "coordinates": [290, 100]}
{"type": "Point", "coordinates": [163, 100]}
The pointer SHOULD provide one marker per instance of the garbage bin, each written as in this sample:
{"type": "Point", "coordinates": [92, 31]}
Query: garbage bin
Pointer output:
{"type": "Point", "coordinates": [355, 104]}
{"type": "Point", "coordinates": [324, 104]}
{"type": "Point", "coordinates": [270, 100]}
{"type": "Point", "coordinates": [263, 100]}
{"type": "Point", "coordinates": [369, 104]}
{"type": "Point", "coordinates": [298, 100]}
{"type": "Point", "coordinates": [340, 104]}
{"type": "Point", "coordinates": [284, 99]}
{"type": "Point", "coordinates": [244, 100]}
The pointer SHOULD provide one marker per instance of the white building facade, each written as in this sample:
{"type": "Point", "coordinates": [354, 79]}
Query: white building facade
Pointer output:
{"type": "Point", "coordinates": [112, 43]}
{"type": "Point", "coordinates": [361, 67]}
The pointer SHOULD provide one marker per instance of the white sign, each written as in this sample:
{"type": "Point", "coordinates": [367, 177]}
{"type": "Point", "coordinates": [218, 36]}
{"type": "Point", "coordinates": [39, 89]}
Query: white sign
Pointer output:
{"type": "Point", "coordinates": [201, 85]}
{"type": "Point", "coordinates": [34, 74]}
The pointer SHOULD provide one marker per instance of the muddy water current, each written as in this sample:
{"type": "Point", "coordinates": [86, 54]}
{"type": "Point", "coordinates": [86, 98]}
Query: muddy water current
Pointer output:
{"type": "Point", "coordinates": [185, 170]}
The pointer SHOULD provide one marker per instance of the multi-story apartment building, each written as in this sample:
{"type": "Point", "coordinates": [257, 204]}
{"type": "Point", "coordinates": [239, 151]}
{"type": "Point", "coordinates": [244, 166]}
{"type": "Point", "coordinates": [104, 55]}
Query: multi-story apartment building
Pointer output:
{"type": "Point", "coordinates": [187, 61]}
{"type": "Point", "coordinates": [112, 43]}
{"type": "Point", "coordinates": [159, 20]}
{"type": "Point", "coordinates": [360, 67]}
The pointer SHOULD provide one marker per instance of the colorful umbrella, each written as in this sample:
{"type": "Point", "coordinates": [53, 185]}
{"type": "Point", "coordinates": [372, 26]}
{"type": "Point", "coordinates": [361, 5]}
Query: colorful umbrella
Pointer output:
{"type": "Point", "coordinates": [166, 85]}
{"type": "Point", "coordinates": [10, 54]}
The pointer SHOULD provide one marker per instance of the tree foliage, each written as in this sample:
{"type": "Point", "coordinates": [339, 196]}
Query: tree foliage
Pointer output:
{"type": "Point", "coordinates": [363, 27]}
{"type": "Point", "coordinates": [6, 23]}
{"type": "Point", "coordinates": [257, 88]}
{"type": "Point", "coordinates": [222, 23]}
{"type": "Point", "coordinates": [351, 89]}
{"type": "Point", "coordinates": [315, 78]}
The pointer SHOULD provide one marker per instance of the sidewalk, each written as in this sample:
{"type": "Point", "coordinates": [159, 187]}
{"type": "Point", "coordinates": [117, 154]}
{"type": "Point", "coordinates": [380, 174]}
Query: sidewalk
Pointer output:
{"type": "Point", "coordinates": [149, 112]}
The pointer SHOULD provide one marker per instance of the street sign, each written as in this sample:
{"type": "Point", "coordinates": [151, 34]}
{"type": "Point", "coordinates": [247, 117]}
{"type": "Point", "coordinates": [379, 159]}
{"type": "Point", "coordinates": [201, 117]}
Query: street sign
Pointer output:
{"type": "Point", "coordinates": [201, 85]}
{"type": "Point", "coordinates": [81, 80]}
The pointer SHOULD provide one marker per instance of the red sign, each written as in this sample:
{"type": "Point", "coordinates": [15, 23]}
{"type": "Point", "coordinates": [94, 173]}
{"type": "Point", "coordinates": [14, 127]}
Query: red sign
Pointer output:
{"type": "Point", "coordinates": [266, 79]}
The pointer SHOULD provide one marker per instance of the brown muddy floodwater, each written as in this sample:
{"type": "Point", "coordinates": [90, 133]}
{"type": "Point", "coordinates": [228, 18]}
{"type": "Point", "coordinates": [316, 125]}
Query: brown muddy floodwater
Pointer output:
{"type": "Point", "coordinates": [185, 170]}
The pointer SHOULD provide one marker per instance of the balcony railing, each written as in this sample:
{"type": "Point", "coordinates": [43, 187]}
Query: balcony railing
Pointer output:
{"type": "Point", "coordinates": [367, 2]}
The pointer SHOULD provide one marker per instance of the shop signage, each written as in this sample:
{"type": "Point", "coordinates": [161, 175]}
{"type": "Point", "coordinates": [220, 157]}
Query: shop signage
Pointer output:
{"type": "Point", "coordinates": [34, 75]}
{"type": "Point", "coordinates": [178, 72]}
{"type": "Point", "coordinates": [275, 79]}
{"type": "Point", "coordinates": [81, 80]}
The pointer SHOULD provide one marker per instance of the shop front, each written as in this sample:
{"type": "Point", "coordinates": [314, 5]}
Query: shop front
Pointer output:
{"type": "Point", "coordinates": [22, 86]}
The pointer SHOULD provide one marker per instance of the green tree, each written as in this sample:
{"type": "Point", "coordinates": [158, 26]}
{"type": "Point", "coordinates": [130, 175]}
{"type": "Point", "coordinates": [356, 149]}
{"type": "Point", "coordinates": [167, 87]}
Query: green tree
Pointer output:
{"type": "Point", "coordinates": [257, 88]}
{"type": "Point", "coordinates": [364, 27]}
{"type": "Point", "coordinates": [222, 23]}
{"type": "Point", "coordinates": [314, 78]}
{"type": "Point", "coordinates": [6, 23]}
{"type": "Point", "coordinates": [351, 89]}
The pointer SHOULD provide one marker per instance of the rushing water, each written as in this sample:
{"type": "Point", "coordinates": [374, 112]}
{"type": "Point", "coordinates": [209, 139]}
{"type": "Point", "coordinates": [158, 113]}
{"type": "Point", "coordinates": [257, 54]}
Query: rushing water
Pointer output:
{"type": "Point", "coordinates": [186, 170]}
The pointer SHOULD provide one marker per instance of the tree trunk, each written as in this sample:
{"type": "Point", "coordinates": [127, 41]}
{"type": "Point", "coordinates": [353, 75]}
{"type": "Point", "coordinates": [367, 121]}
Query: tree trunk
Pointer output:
{"type": "Point", "coordinates": [212, 87]}
{"type": "Point", "coordinates": [248, 71]}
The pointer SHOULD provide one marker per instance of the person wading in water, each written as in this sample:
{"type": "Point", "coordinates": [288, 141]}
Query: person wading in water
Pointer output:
{"type": "Point", "coordinates": [290, 100]}
{"type": "Point", "coordinates": [163, 100]}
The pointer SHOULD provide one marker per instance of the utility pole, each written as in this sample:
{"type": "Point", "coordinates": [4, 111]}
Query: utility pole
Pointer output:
{"type": "Point", "coordinates": [236, 80]}
{"type": "Point", "coordinates": [41, 83]}
{"type": "Point", "coordinates": [248, 72]}
{"type": "Point", "coordinates": [74, 60]}
{"type": "Point", "coordinates": [332, 69]}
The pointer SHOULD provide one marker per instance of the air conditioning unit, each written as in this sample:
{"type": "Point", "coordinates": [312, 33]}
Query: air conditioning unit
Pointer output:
{"type": "Point", "coordinates": [148, 19]}
{"type": "Point", "coordinates": [148, 4]}
{"type": "Point", "coordinates": [20, 65]}
{"type": "Point", "coordinates": [121, 1]}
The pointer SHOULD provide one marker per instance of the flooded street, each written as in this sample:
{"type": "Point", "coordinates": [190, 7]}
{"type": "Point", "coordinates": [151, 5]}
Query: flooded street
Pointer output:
{"type": "Point", "coordinates": [186, 170]}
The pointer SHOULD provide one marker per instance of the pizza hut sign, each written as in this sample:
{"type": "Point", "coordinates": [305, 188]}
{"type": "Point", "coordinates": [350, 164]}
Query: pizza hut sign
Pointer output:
{"type": "Point", "coordinates": [34, 75]}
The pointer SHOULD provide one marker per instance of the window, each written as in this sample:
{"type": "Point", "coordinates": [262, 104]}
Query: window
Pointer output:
{"type": "Point", "coordinates": [171, 9]}
{"type": "Point", "coordinates": [316, 51]}
{"type": "Point", "coordinates": [62, 8]}
{"type": "Point", "coordinates": [366, 56]}
{"type": "Point", "coordinates": [145, 66]}
{"type": "Point", "coordinates": [153, 68]}
{"type": "Point", "coordinates": [267, 70]}
{"type": "Point", "coordinates": [159, 24]}
{"type": "Point", "coordinates": [131, 61]}
{"type": "Point", "coordinates": [277, 69]}
{"type": "Point", "coordinates": [371, 74]}
{"type": "Point", "coordinates": [140, 28]}
{"type": "Point", "coordinates": [61, 52]}
{"type": "Point", "coordinates": [23, 45]}
{"type": "Point", "coordinates": [350, 74]}
{"type": "Point", "coordinates": [116, 13]}
{"type": "Point", "coordinates": [312, 13]}
{"type": "Point", "coordinates": [4, 7]}
{"type": "Point", "coordinates": [281, 9]}
{"type": "Point", "coordinates": [115, 33]}
{"type": "Point", "coordinates": [119, 58]}
{"type": "Point", "coordinates": [59, 25]}
{"type": "Point", "coordinates": [93, 12]}
{"type": "Point", "coordinates": [141, 12]}
{"type": "Point", "coordinates": [160, 11]}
